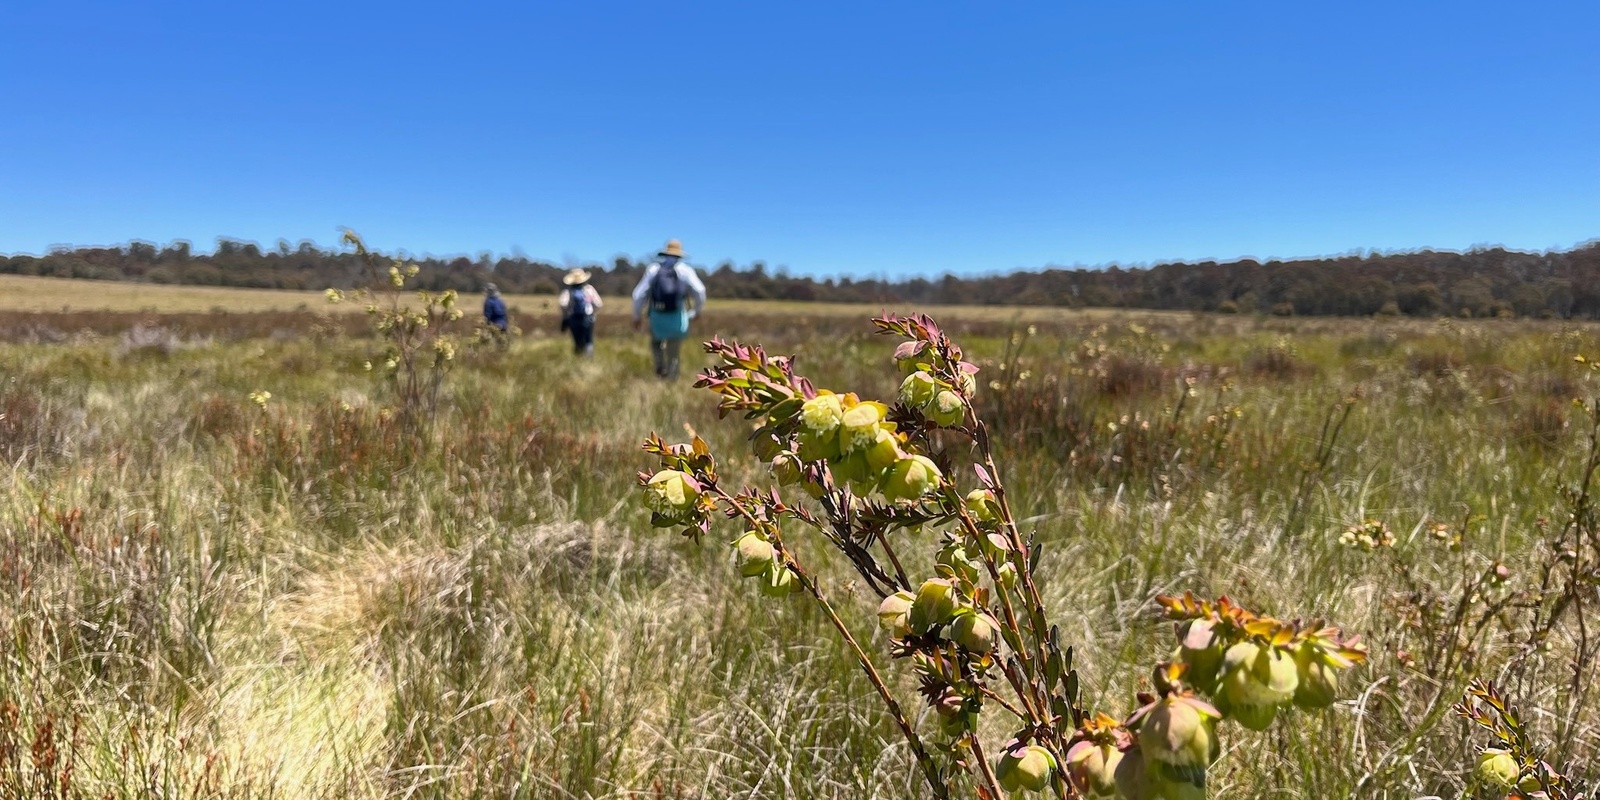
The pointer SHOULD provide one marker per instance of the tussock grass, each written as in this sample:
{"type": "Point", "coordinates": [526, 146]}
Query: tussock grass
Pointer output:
{"type": "Point", "coordinates": [211, 599]}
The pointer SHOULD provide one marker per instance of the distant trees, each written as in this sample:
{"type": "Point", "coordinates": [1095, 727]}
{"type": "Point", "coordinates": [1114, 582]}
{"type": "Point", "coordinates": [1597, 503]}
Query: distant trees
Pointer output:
{"type": "Point", "coordinates": [1480, 282]}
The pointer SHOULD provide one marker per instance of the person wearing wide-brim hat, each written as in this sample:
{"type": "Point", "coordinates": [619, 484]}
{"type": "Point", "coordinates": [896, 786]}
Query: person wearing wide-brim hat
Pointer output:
{"type": "Point", "coordinates": [578, 302]}
{"type": "Point", "coordinates": [674, 295]}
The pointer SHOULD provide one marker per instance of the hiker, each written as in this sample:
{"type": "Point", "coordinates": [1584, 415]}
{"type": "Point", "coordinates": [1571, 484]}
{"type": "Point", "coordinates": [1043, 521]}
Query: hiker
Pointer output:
{"type": "Point", "coordinates": [578, 303]}
{"type": "Point", "coordinates": [666, 289]}
{"type": "Point", "coordinates": [494, 312]}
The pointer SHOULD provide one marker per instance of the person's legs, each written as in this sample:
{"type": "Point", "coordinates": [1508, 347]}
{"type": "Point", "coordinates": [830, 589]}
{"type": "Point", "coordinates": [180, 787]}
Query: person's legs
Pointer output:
{"type": "Point", "coordinates": [585, 343]}
{"type": "Point", "coordinates": [658, 351]}
{"type": "Point", "coordinates": [672, 358]}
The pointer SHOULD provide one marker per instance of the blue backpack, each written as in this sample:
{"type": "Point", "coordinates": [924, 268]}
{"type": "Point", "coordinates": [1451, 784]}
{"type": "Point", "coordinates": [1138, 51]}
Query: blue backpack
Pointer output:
{"type": "Point", "coordinates": [666, 289]}
{"type": "Point", "coordinates": [579, 306]}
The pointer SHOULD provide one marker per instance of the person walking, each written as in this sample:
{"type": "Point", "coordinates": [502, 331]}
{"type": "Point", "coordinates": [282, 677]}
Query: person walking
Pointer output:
{"type": "Point", "coordinates": [673, 293]}
{"type": "Point", "coordinates": [494, 313]}
{"type": "Point", "coordinates": [578, 302]}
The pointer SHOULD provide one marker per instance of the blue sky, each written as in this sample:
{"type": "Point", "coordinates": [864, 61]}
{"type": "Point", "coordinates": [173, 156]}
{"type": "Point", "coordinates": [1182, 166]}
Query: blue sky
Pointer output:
{"type": "Point", "coordinates": [886, 139]}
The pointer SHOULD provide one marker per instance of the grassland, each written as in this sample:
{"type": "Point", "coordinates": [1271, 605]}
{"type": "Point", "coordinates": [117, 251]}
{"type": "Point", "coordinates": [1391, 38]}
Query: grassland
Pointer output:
{"type": "Point", "coordinates": [211, 598]}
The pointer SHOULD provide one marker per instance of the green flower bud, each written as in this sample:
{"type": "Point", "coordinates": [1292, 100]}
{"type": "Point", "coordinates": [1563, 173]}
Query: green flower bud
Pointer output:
{"type": "Point", "coordinates": [786, 468]}
{"type": "Point", "coordinates": [918, 390]}
{"type": "Point", "coordinates": [982, 504]}
{"type": "Point", "coordinates": [852, 469]}
{"type": "Point", "coordinates": [671, 493]}
{"type": "Point", "coordinates": [934, 606]}
{"type": "Point", "coordinates": [1256, 718]}
{"type": "Point", "coordinates": [779, 581]}
{"type": "Point", "coordinates": [1319, 680]}
{"type": "Point", "coordinates": [1008, 575]}
{"type": "Point", "coordinates": [755, 554]}
{"type": "Point", "coordinates": [947, 409]}
{"type": "Point", "coordinates": [950, 704]}
{"type": "Point", "coordinates": [894, 611]}
{"type": "Point", "coordinates": [1180, 730]}
{"type": "Point", "coordinates": [822, 414]}
{"type": "Point", "coordinates": [969, 384]}
{"type": "Point", "coordinates": [1257, 677]}
{"type": "Point", "coordinates": [1132, 778]}
{"type": "Point", "coordinates": [858, 428]}
{"type": "Point", "coordinates": [974, 631]}
{"type": "Point", "coordinates": [818, 445]}
{"type": "Point", "coordinates": [910, 478]}
{"type": "Point", "coordinates": [1202, 650]}
{"type": "Point", "coordinates": [1025, 768]}
{"type": "Point", "coordinates": [911, 356]}
{"type": "Point", "coordinates": [1092, 768]}
{"type": "Point", "coordinates": [961, 563]}
{"type": "Point", "coordinates": [1529, 782]}
{"type": "Point", "coordinates": [884, 451]}
{"type": "Point", "coordinates": [1498, 768]}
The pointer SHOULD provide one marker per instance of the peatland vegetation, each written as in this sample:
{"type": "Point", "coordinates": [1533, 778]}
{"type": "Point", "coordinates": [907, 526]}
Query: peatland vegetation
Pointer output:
{"type": "Point", "coordinates": [1481, 282]}
{"type": "Point", "coordinates": [236, 567]}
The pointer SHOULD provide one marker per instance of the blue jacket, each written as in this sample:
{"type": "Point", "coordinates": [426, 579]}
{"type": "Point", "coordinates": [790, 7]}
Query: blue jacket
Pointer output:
{"type": "Point", "coordinates": [494, 310]}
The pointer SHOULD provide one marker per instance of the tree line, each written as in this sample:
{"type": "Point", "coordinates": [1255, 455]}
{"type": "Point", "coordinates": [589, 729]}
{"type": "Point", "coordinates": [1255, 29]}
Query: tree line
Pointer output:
{"type": "Point", "coordinates": [1481, 282]}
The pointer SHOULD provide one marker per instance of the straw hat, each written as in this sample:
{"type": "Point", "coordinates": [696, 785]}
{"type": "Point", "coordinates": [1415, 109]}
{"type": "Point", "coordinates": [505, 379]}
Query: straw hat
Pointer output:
{"type": "Point", "coordinates": [673, 248]}
{"type": "Point", "coordinates": [575, 277]}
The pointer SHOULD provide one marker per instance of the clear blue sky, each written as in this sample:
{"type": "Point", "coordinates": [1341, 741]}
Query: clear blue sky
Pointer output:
{"type": "Point", "coordinates": [854, 138]}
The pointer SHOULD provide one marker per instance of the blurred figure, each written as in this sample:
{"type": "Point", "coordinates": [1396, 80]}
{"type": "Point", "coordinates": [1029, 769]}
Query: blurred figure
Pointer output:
{"type": "Point", "coordinates": [674, 295]}
{"type": "Point", "coordinates": [578, 303]}
{"type": "Point", "coordinates": [494, 313]}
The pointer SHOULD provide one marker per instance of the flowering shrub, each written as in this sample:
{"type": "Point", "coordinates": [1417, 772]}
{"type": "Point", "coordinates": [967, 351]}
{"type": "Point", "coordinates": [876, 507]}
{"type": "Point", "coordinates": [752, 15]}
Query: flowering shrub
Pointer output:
{"type": "Point", "coordinates": [972, 625]}
{"type": "Point", "coordinates": [419, 349]}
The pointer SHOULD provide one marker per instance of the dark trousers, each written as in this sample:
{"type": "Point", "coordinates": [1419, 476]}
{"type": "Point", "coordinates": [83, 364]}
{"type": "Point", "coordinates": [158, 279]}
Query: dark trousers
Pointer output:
{"type": "Point", "coordinates": [582, 330]}
{"type": "Point", "coordinates": [665, 352]}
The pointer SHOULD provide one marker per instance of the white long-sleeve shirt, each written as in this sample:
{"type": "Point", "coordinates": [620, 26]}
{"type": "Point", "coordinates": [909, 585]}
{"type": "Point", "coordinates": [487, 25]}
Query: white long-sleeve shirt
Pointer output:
{"type": "Point", "coordinates": [686, 275]}
{"type": "Point", "coordinates": [564, 297]}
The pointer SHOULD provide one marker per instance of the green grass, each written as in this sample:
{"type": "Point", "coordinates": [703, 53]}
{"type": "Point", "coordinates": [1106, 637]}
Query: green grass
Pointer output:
{"type": "Point", "coordinates": [211, 599]}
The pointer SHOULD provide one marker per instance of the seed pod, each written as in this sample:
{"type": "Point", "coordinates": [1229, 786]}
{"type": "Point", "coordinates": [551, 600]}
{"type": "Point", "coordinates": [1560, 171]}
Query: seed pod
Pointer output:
{"type": "Point", "coordinates": [934, 606]}
{"type": "Point", "coordinates": [1498, 768]}
{"type": "Point", "coordinates": [893, 613]}
{"type": "Point", "coordinates": [975, 631]}
{"type": "Point", "coordinates": [947, 409]}
{"type": "Point", "coordinates": [1092, 768]}
{"type": "Point", "coordinates": [1025, 768]}
{"type": "Point", "coordinates": [755, 554]}
{"type": "Point", "coordinates": [671, 493]}
{"type": "Point", "coordinates": [918, 390]}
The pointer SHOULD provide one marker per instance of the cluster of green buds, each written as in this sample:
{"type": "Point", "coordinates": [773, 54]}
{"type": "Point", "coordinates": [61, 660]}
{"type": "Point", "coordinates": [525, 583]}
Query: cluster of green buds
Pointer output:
{"type": "Point", "coordinates": [934, 386]}
{"type": "Point", "coordinates": [760, 559]}
{"type": "Point", "coordinates": [1511, 767]}
{"type": "Point", "coordinates": [1255, 665]}
{"type": "Point", "coordinates": [861, 448]}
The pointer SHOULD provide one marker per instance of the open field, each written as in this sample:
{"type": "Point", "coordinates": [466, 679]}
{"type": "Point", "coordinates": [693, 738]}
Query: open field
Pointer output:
{"type": "Point", "coordinates": [211, 597]}
{"type": "Point", "coordinates": [31, 294]}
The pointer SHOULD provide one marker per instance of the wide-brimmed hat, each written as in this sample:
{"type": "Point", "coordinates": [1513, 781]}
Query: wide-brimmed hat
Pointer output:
{"type": "Point", "coordinates": [575, 277]}
{"type": "Point", "coordinates": [673, 248]}
{"type": "Point", "coordinates": [491, 289]}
